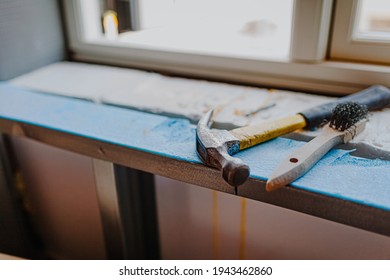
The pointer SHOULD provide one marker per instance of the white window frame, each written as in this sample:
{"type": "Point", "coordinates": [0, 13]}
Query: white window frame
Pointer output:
{"type": "Point", "coordinates": [305, 70]}
{"type": "Point", "coordinates": [345, 46]}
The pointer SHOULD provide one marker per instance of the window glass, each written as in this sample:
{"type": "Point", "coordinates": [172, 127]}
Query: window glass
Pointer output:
{"type": "Point", "coordinates": [254, 28]}
{"type": "Point", "coordinates": [373, 20]}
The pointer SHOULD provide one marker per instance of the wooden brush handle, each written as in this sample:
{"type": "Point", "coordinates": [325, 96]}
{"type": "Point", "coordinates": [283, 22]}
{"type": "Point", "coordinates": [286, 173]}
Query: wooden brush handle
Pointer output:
{"type": "Point", "coordinates": [303, 159]}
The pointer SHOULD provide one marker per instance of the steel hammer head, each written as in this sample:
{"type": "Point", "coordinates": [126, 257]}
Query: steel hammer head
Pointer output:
{"type": "Point", "coordinates": [216, 147]}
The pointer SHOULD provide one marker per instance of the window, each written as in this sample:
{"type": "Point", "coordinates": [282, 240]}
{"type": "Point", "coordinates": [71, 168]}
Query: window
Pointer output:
{"type": "Point", "coordinates": [282, 43]}
{"type": "Point", "coordinates": [248, 28]}
{"type": "Point", "coordinates": [362, 31]}
{"type": "Point", "coordinates": [373, 20]}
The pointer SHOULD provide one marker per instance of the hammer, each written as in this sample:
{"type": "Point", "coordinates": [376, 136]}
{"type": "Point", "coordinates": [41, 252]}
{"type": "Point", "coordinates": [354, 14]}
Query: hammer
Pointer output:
{"type": "Point", "coordinates": [216, 147]}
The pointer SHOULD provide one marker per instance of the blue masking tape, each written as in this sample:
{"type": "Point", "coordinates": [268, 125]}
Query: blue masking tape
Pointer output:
{"type": "Point", "coordinates": [338, 174]}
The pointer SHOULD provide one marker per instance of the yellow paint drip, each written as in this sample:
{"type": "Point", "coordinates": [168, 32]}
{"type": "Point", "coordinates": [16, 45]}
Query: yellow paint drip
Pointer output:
{"type": "Point", "coordinates": [253, 135]}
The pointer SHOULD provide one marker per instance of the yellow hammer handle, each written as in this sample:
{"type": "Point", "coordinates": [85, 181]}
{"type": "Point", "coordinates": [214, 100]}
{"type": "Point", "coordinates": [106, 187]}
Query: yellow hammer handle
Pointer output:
{"type": "Point", "coordinates": [253, 135]}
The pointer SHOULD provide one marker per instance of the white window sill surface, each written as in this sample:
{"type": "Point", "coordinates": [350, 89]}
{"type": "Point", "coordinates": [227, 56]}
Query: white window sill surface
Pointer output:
{"type": "Point", "coordinates": [190, 99]}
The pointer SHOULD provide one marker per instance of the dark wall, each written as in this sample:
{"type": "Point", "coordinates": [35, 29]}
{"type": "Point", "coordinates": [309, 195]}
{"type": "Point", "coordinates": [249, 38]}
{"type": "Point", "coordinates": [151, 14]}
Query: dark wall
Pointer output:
{"type": "Point", "coordinates": [31, 36]}
{"type": "Point", "coordinates": [17, 236]}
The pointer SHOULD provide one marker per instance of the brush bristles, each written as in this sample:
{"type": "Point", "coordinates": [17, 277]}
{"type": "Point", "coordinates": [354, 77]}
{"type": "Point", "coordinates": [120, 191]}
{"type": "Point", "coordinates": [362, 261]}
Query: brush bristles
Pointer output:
{"type": "Point", "coordinates": [345, 115]}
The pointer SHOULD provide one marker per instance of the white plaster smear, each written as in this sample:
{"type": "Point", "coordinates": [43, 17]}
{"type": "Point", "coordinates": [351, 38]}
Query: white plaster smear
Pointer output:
{"type": "Point", "coordinates": [237, 105]}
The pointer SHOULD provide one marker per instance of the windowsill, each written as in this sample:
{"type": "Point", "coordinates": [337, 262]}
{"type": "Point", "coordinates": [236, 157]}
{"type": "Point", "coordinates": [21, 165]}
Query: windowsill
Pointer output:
{"type": "Point", "coordinates": [190, 99]}
{"type": "Point", "coordinates": [329, 77]}
{"type": "Point", "coordinates": [166, 147]}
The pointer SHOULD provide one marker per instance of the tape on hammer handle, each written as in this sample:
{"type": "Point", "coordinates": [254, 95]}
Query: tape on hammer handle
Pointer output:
{"type": "Point", "coordinates": [375, 97]}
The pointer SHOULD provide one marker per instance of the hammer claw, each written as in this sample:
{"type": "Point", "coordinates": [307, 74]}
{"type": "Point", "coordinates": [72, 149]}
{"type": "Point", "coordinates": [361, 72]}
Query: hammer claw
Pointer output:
{"type": "Point", "coordinates": [206, 121]}
{"type": "Point", "coordinates": [216, 147]}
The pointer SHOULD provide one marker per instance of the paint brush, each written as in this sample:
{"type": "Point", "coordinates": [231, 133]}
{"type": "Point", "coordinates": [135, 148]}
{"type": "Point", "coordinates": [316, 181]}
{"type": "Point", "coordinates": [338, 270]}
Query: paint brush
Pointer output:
{"type": "Point", "coordinates": [347, 120]}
